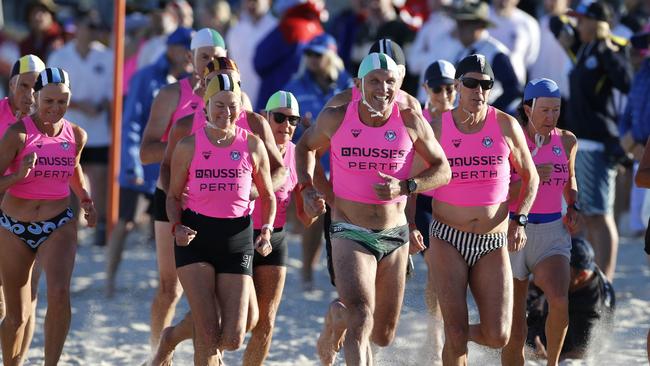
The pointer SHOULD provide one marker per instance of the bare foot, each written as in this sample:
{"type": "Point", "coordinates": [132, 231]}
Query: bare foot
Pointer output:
{"type": "Point", "coordinates": [165, 352]}
{"type": "Point", "coordinates": [333, 334]}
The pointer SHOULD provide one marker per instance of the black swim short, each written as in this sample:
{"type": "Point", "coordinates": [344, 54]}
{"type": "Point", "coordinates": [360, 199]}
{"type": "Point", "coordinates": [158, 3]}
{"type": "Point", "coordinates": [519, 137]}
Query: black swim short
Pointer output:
{"type": "Point", "coordinates": [226, 244]}
{"type": "Point", "coordinates": [279, 255]}
{"type": "Point", "coordinates": [94, 155]}
{"type": "Point", "coordinates": [647, 239]}
{"type": "Point", "coordinates": [160, 205]}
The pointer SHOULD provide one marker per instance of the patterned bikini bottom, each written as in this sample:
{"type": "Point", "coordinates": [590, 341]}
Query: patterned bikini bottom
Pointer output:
{"type": "Point", "coordinates": [35, 233]}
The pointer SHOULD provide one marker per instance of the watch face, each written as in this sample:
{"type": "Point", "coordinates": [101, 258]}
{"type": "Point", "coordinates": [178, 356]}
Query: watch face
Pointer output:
{"type": "Point", "coordinates": [523, 220]}
{"type": "Point", "coordinates": [412, 186]}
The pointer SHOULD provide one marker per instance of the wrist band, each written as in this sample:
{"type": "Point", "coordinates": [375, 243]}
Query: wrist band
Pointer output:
{"type": "Point", "coordinates": [174, 227]}
{"type": "Point", "coordinates": [267, 226]}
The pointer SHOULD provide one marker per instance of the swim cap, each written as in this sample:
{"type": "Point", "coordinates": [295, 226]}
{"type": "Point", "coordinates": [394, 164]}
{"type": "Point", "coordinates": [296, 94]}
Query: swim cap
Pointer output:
{"type": "Point", "coordinates": [391, 48]}
{"type": "Point", "coordinates": [541, 88]}
{"type": "Point", "coordinates": [376, 61]}
{"type": "Point", "coordinates": [207, 37]}
{"type": "Point", "coordinates": [283, 99]}
{"type": "Point", "coordinates": [27, 63]}
{"type": "Point", "coordinates": [52, 75]}
{"type": "Point", "coordinates": [439, 73]}
{"type": "Point", "coordinates": [221, 82]}
{"type": "Point", "coordinates": [220, 63]}
{"type": "Point", "coordinates": [180, 37]}
{"type": "Point", "coordinates": [474, 63]}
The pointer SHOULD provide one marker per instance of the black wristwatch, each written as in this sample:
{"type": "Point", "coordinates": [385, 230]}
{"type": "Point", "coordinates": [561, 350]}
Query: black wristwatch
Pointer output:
{"type": "Point", "coordinates": [521, 220]}
{"type": "Point", "coordinates": [411, 185]}
{"type": "Point", "coordinates": [575, 206]}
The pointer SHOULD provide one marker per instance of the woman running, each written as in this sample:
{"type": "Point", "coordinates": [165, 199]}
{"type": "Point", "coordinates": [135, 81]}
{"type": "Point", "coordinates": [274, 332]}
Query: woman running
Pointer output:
{"type": "Point", "coordinates": [548, 249]}
{"type": "Point", "coordinates": [41, 154]}
{"type": "Point", "coordinates": [213, 231]}
{"type": "Point", "coordinates": [270, 272]}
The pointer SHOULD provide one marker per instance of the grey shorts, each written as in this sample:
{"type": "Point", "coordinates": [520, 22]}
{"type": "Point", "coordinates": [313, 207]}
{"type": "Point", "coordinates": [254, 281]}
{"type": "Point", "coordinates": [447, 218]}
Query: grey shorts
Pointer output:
{"type": "Point", "coordinates": [543, 241]}
{"type": "Point", "coordinates": [596, 182]}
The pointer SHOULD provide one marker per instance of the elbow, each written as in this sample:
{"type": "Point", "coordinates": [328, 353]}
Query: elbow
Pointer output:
{"type": "Point", "coordinates": [144, 155]}
{"type": "Point", "coordinates": [446, 173]}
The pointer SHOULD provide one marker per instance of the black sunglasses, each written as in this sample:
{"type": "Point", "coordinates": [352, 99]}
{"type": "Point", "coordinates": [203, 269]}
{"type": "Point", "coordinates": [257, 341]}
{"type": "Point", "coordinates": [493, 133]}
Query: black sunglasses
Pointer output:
{"type": "Point", "coordinates": [474, 83]}
{"type": "Point", "coordinates": [281, 117]}
{"type": "Point", "coordinates": [312, 53]}
{"type": "Point", "coordinates": [438, 89]}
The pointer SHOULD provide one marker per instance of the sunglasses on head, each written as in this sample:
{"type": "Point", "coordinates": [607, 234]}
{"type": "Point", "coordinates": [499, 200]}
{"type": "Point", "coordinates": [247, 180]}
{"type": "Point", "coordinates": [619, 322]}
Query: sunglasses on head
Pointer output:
{"type": "Point", "coordinates": [474, 83]}
{"type": "Point", "coordinates": [281, 117]}
{"type": "Point", "coordinates": [439, 88]}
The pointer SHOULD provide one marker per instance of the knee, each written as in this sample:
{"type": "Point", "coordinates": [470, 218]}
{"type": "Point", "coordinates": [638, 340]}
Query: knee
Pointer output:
{"type": "Point", "coordinates": [359, 317]}
{"type": "Point", "coordinates": [231, 342]}
{"type": "Point", "coordinates": [518, 333]}
{"type": "Point", "coordinates": [15, 321]}
{"type": "Point", "coordinates": [263, 329]}
{"type": "Point", "coordinates": [57, 295]}
{"type": "Point", "coordinates": [456, 338]}
{"type": "Point", "coordinates": [558, 303]}
{"type": "Point", "coordinates": [496, 336]}
{"type": "Point", "coordinates": [383, 337]}
{"type": "Point", "coordinates": [170, 290]}
{"type": "Point", "coordinates": [206, 338]}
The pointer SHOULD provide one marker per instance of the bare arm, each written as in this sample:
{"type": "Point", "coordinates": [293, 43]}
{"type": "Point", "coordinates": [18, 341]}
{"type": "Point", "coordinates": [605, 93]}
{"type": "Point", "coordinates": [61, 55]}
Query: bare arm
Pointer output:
{"type": "Point", "coordinates": [10, 146]}
{"type": "Point", "coordinates": [180, 165]}
{"type": "Point", "coordinates": [182, 128]}
{"type": "Point", "coordinates": [642, 178]}
{"type": "Point", "coordinates": [570, 143]}
{"type": "Point", "coordinates": [162, 109]}
{"type": "Point", "coordinates": [78, 182]}
{"type": "Point", "coordinates": [261, 128]}
{"type": "Point", "coordinates": [262, 180]}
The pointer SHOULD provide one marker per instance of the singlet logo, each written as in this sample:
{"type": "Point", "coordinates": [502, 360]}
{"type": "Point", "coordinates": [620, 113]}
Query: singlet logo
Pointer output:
{"type": "Point", "coordinates": [235, 155]}
{"type": "Point", "coordinates": [355, 132]}
{"type": "Point", "coordinates": [390, 135]}
{"type": "Point", "coordinates": [65, 145]}
{"type": "Point", "coordinates": [206, 154]}
{"type": "Point", "coordinates": [193, 105]}
{"type": "Point", "coordinates": [246, 260]}
{"type": "Point", "coordinates": [557, 151]}
{"type": "Point", "coordinates": [456, 142]}
{"type": "Point", "coordinates": [487, 142]}
{"type": "Point", "coordinates": [39, 144]}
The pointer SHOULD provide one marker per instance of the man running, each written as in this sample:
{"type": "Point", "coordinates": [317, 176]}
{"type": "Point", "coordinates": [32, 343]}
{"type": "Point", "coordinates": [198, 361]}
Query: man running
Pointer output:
{"type": "Point", "coordinates": [369, 229]}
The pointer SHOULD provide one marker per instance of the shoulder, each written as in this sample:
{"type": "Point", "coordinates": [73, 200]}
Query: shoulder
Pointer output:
{"type": "Point", "coordinates": [79, 133]}
{"type": "Point", "coordinates": [411, 118]}
{"type": "Point", "coordinates": [16, 130]}
{"type": "Point", "coordinates": [255, 119]}
{"type": "Point", "coordinates": [334, 113]}
{"type": "Point", "coordinates": [255, 144]}
{"type": "Point", "coordinates": [507, 122]}
{"type": "Point", "coordinates": [170, 91]}
{"type": "Point", "coordinates": [568, 138]}
{"type": "Point", "coordinates": [184, 123]}
{"type": "Point", "coordinates": [341, 98]}
{"type": "Point", "coordinates": [412, 102]}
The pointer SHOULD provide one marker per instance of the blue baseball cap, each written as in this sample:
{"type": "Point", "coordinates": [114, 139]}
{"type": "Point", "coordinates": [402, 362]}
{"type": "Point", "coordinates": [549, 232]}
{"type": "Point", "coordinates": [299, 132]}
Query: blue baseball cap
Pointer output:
{"type": "Point", "coordinates": [582, 255]}
{"type": "Point", "coordinates": [541, 88]}
{"type": "Point", "coordinates": [321, 44]}
{"type": "Point", "coordinates": [180, 37]}
{"type": "Point", "coordinates": [281, 6]}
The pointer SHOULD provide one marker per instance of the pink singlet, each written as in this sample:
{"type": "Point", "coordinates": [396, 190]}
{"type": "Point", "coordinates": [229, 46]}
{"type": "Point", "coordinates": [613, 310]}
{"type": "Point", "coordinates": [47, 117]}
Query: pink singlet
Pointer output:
{"type": "Point", "coordinates": [55, 164]}
{"type": "Point", "coordinates": [188, 103]}
{"type": "Point", "coordinates": [549, 193]}
{"type": "Point", "coordinates": [219, 178]}
{"type": "Point", "coordinates": [283, 195]}
{"type": "Point", "coordinates": [356, 95]}
{"type": "Point", "coordinates": [7, 117]}
{"type": "Point", "coordinates": [480, 170]}
{"type": "Point", "coordinates": [359, 152]}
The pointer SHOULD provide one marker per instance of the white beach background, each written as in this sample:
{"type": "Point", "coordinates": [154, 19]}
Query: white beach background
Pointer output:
{"type": "Point", "coordinates": [116, 331]}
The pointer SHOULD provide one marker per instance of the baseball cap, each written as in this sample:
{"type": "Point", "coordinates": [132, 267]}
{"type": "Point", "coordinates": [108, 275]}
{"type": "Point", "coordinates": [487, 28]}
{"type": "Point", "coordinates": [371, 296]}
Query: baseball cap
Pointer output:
{"type": "Point", "coordinates": [439, 73]}
{"type": "Point", "coordinates": [478, 11]}
{"type": "Point", "coordinates": [180, 37]}
{"type": "Point", "coordinates": [281, 6]}
{"type": "Point", "coordinates": [593, 10]}
{"type": "Point", "coordinates": [474, 63]}
{"type": "Point", "coordinates": [283, 99]}
{"type": "Point", "coordinates": [582, 255]}
{"type": "Point", "coordinates": [321, 44]}
{"type": "Point", "coordinates": [207, 37]}
{"type": "Point", "coordinates": [390, 48]}
{"type": "Point", "coordinates": [541, 88]}
{"type": "Point", "coordinates": [376, 61]}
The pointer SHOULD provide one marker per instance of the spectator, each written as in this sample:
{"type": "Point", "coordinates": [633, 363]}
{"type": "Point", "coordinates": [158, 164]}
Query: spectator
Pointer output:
{"type": "Point", "coordinates": [45, 34]}
{"type": "Point", "coordinates": [91, 73]}
{"type": "Point", "coordinates": [519, 32]}
{"type": "Point", "coordinates": [434, 41]}
{"type": "Point", "coordinates": [255, 22]}
{"type": "Point", "coordinates": [9, 52]}
{"type": "Point", "coordinates": [135, 26]}
{"type": "Point", "coordinates": [472, 20]}
{"type": "Point", "coordinates": [601, 66]}
{"type": "Point", "coordinates": [591, 300]}
{"type": "Point", "coordinates": [344, 28]}
{"type": "Point", "coordinates": [216, 14]}
{"type": "Point", "coordinates": [278, 54]}
{"type": "Point", "coordinates": [136, 179]}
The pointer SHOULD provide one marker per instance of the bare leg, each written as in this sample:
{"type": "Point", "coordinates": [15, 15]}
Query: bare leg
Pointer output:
{"type": "Point", "coordinates": [233, 295]}
{"type": "Point", "coordinates": [31, 323]}
{"type": "Point", "coordinates": [170, 338]}
{"type": "Point", "coordinates": [97, 174]}
{"type": "Point", "coordinates": [603, 235]}
{"type": "Point", "coordinates": [169, 290]}
{"type": "Point", "coordinates": [513, 353]}
{"type": "Point", "coordinates": [114, 253]}
{"type": "Point", "coordinates": [552, 276]}
{"type": "Point", "coordinates": [312, 239]}
{"type": "Point", "coordinates": [389, 295]}
{"type": "Point", "coordinates": [333, 333]}
{"type": "Point", "coordinates": [269, 284]}
{"type": "Point", "coordinates": [435, 327]}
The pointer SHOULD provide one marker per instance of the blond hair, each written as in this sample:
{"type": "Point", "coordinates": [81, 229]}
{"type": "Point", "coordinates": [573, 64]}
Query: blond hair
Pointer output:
{"type": "Point", "coordinates": [333, 65]}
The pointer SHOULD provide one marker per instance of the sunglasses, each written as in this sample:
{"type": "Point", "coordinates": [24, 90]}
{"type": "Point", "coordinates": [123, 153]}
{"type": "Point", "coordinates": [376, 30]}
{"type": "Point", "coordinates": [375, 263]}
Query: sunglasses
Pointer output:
{"type": "Point", "coordinates": [281, 117]}
{"type": "Point", "coordinates": [472, 83]}
{"type": "Point", "coordinates": [311, 53]}
{"type": "Point", "coordinates": [438, 89]}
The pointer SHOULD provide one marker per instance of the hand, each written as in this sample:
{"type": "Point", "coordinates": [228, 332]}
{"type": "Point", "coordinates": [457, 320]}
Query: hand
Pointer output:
{"type": "Point", "coordinates": [26, 166]}
{"type": "Point", "coordinates": [416, 242]}
{"type": "Point", "coordinates": [263, 243]}
{"type": "Point", "coordinates": [90, 215]}
{"type": "Point", "coordinates": [389, 189]}
{"type": "Point", "coordinates": [516, 236]}
{"type": "Point", "coordinates": [255, 194]}
{"type": "Point", "coordinates": [544, 171]}
{"type": "Point", "coordinates": [183, 235]}
{"type": "Point", "coordinates": [313, 202]}
{"type": "Point", "coordinates": [571, 220]}
{"type": "Point", "coordinates": [540, 350]}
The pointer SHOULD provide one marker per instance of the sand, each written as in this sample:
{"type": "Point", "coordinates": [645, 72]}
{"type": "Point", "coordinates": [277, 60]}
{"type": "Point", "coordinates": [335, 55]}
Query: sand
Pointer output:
{"type": "Point", "coordinates": [115, 331]}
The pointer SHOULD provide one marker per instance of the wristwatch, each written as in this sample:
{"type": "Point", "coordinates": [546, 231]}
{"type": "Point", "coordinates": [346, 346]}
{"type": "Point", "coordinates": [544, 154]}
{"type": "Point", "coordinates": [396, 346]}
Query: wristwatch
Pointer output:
{"type": "Point", "coordinates": [411, 185]}
{"type": "Point", "coordinates": [521, 220]}
{"type": "Point", "coordinates": [576, 206]}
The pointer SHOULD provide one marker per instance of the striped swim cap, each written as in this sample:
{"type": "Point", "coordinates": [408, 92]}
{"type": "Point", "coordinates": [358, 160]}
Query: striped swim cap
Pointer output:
{"type": "Point", "coordinates": [52, 75]}
{"type": "Point", "coordinates": [376, 61]}
{"type": "Point", "coordinates": [220, 63]}
{"type": "Point", "coordinates": [391, 48]}
{"type": "Point", "coordinates": [221, 82]}
{"type": "Point", "coordinates": [27, 63]}
{"type": "Point", "coordinates": [207, 37]}
{"type": "Point", "coordinates": [283, 99]}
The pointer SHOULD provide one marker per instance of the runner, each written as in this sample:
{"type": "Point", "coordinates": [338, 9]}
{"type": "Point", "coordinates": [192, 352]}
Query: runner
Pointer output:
{"type": "Point", "coordinates": [41, 154]}
{"type": "Point", "coordinates": [470, 228]}
{"type": "Point", "coordinates": [173, 102]}
{"type": "Point", "coordinates": [214, 238]}
{"type": "Point", "coordinates": [269, 272]}
{"type": "Point", "coordinates": [548, 249]}
{"type": "Point", "coordinates": [369, 229]}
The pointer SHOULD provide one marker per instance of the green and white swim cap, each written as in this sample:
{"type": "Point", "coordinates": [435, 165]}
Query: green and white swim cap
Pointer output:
{"type": "Point", "coordinates": [283, 99]}
{"type": "Point", "coordinates": [376, 61]}
{"type": "Point", "coordinates": [207, 37]}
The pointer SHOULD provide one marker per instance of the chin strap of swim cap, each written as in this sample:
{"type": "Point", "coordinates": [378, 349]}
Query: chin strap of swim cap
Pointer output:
{"type": "Point", "coordinates": [539, 139]}
{"type": "Point", "coordinates": [373, 112]}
